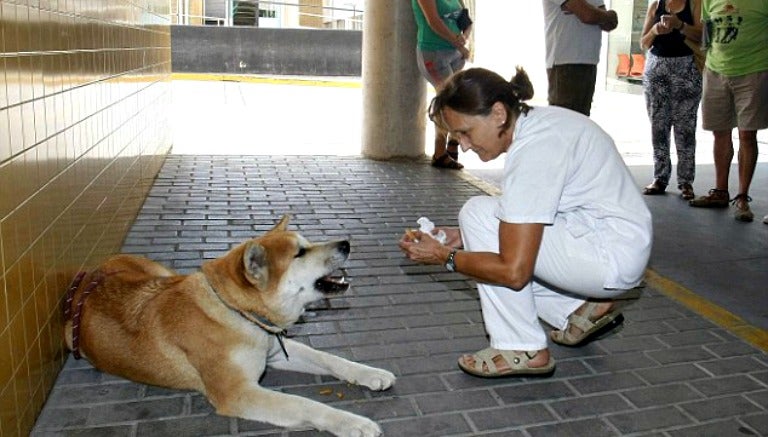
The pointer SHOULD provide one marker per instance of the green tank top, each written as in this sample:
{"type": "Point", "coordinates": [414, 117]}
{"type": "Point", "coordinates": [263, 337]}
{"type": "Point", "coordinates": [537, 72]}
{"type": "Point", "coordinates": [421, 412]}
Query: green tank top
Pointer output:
{"type": "Point", "coordinates": [738, 36]}
{"type": "Point", "coordinates": [427, 39]}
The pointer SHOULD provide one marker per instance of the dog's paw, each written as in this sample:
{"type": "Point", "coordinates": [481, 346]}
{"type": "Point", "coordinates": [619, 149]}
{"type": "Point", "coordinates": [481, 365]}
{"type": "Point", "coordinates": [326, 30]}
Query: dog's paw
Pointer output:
{"type": "Point", "coordinates": [376, 379]}
{"type": "Point", "coordinates": [356, 426]}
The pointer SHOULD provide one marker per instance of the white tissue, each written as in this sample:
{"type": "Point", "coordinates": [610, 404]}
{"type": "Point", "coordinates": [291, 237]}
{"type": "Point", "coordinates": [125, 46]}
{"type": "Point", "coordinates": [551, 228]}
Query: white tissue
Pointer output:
{"type": "Point", "coordinates": [426, 226]}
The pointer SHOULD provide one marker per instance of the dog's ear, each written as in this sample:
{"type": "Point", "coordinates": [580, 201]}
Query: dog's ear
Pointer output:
{"type": "Point", "coordinates": [255, 263]}
{"type": "Point", "coordinates": [282, 225]}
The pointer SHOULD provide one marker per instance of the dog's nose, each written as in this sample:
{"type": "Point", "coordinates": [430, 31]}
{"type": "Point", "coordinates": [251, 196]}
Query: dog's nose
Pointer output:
{"type": "Point", "coordinates": [344, 247]}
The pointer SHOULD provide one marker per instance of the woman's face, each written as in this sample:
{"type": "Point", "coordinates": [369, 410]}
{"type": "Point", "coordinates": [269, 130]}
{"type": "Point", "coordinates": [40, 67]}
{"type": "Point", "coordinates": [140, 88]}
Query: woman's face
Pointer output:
{"type": "Point", "coordinates": [480, 133]}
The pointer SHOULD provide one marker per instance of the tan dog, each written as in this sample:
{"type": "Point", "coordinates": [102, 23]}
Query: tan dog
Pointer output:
{"type": "Point", "coordinates": [215, 330]}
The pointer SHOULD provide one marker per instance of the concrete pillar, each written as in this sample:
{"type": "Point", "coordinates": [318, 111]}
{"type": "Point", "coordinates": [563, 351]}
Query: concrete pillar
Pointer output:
{"type": "Point", "coordinates": [394, 93]}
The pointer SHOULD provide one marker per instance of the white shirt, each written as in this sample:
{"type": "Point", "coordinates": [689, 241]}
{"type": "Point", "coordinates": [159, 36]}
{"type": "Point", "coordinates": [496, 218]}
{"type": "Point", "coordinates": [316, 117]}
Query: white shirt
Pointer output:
{"type": "Point", "coordinates": [567, 39]}
{"type": "Point", "coordinates": [563, 164]}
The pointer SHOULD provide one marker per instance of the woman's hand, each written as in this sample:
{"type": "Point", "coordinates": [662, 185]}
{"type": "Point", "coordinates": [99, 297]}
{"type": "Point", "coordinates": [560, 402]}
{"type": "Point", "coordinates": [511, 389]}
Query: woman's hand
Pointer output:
{"type": "Point", "coordinates": [424, 249]}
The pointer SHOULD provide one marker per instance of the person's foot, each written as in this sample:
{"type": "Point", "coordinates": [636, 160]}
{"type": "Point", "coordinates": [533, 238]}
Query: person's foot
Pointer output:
{"type": "Point", "coordinates": [741, 211]}
{"type": "Point", "coordinates": [495, 363]}
{"type": "Point", "coordinates": [445, 161]}
{"type": "Point", "coordinates": [686, 191]}
{"type": "Point", "coordinates": [655, 188]}
{"type": "Point", "coordinates": [765, 219]}
{"type": "Point", "coordinates": [590, 321]}
{"type": "Point", "coordinates": [716, 198]}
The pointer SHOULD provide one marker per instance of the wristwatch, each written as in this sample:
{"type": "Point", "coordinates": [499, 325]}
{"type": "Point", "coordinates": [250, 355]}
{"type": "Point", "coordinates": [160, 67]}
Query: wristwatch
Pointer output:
{"type": "Point", "coordinates": [450, 264]}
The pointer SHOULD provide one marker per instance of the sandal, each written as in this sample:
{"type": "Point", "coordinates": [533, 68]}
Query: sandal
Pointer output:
{"type": "Point", "coordinates": [655, 188]}
{"type": "Point", "coordinates": [516, 364]}
{"type": "Point", "coordinates": [445, 161]}
{"type": "Point", "coordinates": [590, 330]}
{"type": "Point", "coordinates": [686, 191]}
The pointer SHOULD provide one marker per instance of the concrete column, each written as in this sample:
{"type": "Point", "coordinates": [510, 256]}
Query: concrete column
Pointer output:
{"type": "Point", "coordinates": [394, 93]}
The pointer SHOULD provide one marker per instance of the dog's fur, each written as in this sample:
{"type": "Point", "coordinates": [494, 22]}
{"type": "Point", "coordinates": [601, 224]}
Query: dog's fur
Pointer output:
{"type": "Point", "coordinates": [146, 323]}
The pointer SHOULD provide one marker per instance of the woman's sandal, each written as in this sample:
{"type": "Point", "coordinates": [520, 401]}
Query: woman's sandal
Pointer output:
{"type": "Point", "coordinates": [445, 161]}
{"type": "Point", "coordinates": [590, 329]}
{"type": "Point", "coordinates": [516, 364]}
{"type": "Point", "coordinates": [654, 188]}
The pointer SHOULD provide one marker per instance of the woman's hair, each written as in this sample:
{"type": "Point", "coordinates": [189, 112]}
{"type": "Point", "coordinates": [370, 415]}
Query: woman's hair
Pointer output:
{"type": "Point", "coordinates": [474, 91]}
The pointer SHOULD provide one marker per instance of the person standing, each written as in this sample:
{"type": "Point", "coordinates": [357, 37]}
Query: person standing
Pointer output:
{"type": "Point", "coordinates": [572, 40]}
{"type": "Point", "coordinates": [735, 94]}
{"type": "Point", "coordinates": [440, 51]}
{"type": "Point", "coordinates": [672, 85]}
{"type": "Point", "coordinates": [569, 234]}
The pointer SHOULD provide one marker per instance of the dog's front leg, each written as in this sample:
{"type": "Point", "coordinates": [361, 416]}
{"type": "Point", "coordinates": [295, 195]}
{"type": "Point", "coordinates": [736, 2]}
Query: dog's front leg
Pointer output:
{"type": "Point", "coordinates": [302, 358]}
{"type": "Point", "coordinates": [254, 402]}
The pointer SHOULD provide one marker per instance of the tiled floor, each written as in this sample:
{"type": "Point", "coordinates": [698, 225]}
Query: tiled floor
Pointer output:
{"type": "Point", "coordinates": [669, 372]}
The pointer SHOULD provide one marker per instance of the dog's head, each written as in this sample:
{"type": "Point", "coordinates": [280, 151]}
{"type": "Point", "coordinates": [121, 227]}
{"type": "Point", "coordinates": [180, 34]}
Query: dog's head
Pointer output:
{"type": "Point", "coordinates": [278, 274]}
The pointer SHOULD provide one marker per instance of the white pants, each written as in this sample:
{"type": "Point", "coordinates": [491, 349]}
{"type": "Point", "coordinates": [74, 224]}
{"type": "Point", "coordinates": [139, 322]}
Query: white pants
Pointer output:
{"type": "Point", "coordinates": [568, 269]}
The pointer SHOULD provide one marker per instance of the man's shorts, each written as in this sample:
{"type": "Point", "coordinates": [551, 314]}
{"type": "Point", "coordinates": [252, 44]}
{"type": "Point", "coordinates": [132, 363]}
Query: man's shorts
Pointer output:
{"type": "Point", "coordinates": [572, 86]}
{"type": "Point", "coordinates": [734, 101]}
{"type": "Point", "coordinates": [438, 65]}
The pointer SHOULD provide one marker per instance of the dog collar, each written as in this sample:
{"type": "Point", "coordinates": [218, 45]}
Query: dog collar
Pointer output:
{"type": "Point", "coordinates": [258, 320]}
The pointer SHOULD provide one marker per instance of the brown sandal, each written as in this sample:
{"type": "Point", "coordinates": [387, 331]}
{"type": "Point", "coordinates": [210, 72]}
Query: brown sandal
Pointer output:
{"type": "Point", "coordinates": [654, 188]}
{"type": "Point", "coordinates": [445, 161]}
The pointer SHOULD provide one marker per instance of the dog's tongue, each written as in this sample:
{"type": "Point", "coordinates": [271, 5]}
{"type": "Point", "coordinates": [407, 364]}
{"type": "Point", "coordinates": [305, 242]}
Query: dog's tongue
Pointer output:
{"type": "Point", "coordinates": [333, 283]}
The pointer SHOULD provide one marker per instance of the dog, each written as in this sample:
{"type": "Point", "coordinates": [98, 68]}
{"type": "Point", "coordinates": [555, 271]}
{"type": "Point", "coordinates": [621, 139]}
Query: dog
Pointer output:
{"type": "Point", "coordinates": [216, 330]}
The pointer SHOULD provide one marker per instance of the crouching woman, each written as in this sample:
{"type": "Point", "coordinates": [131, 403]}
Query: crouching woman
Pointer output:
{"type": "Point", "coordinates": [568, 235]}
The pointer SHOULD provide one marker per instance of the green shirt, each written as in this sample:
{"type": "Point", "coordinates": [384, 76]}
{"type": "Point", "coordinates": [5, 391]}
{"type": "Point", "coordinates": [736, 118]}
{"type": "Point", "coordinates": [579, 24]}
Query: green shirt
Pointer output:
{"type": "Point", "coordinates": [738, 36]}
{"type": "Point", "coordinates": [427, 39]}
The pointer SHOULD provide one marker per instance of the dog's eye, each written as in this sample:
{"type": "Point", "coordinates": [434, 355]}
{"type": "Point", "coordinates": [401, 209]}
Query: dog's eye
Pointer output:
{"type": "Point", "coordinates": [302, 252]}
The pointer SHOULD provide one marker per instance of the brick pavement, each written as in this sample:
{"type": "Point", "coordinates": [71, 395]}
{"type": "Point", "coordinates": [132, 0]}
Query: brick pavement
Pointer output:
{"type": "Point", "coordinates": [668, 372]}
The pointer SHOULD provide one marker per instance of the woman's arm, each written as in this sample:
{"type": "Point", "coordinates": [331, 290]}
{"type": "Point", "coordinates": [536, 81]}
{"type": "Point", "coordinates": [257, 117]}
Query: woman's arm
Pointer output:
{"type": "Point", "coordinates": [650, 30]}
{"type": "Point", "coordinates": [429, 8]}
{"type": "Point", "coordinates": [588, 14]}
{"type": "Point", "coordinates": [693, 31]}
{"type": "Point", "coordinates": [512, 267]}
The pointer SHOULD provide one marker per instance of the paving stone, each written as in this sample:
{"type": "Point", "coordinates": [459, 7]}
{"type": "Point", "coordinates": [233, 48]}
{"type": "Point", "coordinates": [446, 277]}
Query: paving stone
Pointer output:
{"type": "Point", "coordinates": [441, 425]}
{"type": "Point", "coordinates": [490, 419]}
{"type": "Point", "coordinates": [726, 385]}
{"type": "Point", "coordinates": [714, 429]}
{"type": "Point", "coordinates": [535, 392]}
{"type": "Point", "coordinates": [719, 408]}
{"type": "Point", "coordinates": [198, 426]}
{"type": "Point", "coordinates": [661, 395]}
{"type": "Point", "coordinates": [648, 420]}
{"type": "Point", "coordinates": [671, 373]}
{"type": "Point", "coordinates": [586, 427]}
{"type": "Point", "coordinates": [606, 382]}
{"type": "Point", "coordinates": [590, 406]}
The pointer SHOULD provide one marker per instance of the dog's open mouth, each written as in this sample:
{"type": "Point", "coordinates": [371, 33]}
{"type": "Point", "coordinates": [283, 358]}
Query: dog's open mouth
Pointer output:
{"type": "Point", "coordinates": [336, 282]}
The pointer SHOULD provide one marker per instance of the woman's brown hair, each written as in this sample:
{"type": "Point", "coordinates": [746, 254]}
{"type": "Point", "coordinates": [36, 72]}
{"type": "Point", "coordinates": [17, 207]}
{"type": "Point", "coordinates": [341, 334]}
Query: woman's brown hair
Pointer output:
{"type": "Point", "coordinates": [474, 91]}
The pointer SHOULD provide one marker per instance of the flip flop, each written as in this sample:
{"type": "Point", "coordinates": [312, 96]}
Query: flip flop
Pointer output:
{"type": "Point", "coordinates": [517, 364]}
{"type": "Point", "coordinates": [590, 330]}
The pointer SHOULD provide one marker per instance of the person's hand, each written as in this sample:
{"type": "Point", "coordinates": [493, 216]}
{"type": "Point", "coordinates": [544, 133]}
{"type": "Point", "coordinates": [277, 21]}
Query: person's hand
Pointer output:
{"type": "Point", "coordinates": [464, 52]}
{"type": "Point", "coordinates": [610, 22]}
{"type": "Point", "coordinates": [422, 248]}
{"type": "Point", "coordinates": [661, 29]}
{"type": "Point", "coordinates": [671, 21]}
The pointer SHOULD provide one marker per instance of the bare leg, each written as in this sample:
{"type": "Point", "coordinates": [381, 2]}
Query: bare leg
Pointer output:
{"type": "Point", "coordinates": [723, 153]}
{"type": "Point", "coordinates": [747, 159]}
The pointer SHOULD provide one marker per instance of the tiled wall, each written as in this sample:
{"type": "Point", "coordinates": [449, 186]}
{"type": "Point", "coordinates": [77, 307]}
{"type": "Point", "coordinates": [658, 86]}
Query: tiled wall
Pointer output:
{"type": "Point", "coordinates": [84, 128]}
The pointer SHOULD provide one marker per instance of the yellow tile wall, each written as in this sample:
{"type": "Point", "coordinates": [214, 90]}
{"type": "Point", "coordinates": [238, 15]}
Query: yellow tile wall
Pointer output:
{"type": "Point", "coordinates": [84, 129]}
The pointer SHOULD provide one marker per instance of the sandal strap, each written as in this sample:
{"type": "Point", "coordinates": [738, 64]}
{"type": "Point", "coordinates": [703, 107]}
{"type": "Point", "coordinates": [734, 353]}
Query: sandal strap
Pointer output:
{"type": "Point", "coordinates": [581, 321]}
{"type": "Point", "coordinates": [515, 360]}
{"type": "Point", "coordinates": [742, 196]}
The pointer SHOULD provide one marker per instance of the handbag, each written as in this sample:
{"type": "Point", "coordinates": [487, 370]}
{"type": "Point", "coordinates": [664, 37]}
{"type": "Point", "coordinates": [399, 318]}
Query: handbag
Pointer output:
{"type": "Point", "coordinates": [699, 56]}
{"type": "Point", "coordinates": [463, 21]}
{"type": "Point", "coordinates": [699, 52]}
